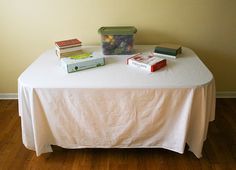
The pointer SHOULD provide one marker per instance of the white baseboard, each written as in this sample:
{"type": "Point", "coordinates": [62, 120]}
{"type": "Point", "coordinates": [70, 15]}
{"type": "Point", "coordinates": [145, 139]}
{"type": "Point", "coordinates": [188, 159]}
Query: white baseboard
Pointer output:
{"type": "Point", "coordinates": [219, 94]}
{"type": "Point", "coordinates": [8, 96]}
{"type": "Point", "coordinates": [226, 94]}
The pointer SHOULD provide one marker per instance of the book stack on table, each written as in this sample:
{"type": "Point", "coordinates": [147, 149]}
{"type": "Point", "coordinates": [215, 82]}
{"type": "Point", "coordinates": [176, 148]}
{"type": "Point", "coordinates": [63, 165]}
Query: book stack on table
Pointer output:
{"type": "Point", "coordinates": [67, 48]}
{"type": "Point", "coordinates": [74, 58]}
{"type": "Point", "coordinates": [168, 50]}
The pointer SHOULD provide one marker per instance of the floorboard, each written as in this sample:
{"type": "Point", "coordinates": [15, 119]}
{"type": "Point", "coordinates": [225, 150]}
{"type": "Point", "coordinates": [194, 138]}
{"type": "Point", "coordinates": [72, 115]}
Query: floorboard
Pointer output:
{"type": "Point", "coordinates": [219, 150]}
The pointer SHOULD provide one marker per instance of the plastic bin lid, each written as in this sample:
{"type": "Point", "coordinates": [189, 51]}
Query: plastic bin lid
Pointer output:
{"type": "Point", "coordinates": [127, 30]}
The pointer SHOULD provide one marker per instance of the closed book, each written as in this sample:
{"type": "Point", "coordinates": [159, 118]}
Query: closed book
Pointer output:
{"type": "Point", "coordinates": [69, 54]}
{"type": "Point", "coordinates": [147, 62]}
{"type": "Point", "coordinates": [68, 43]}
{"type": "Point", "coordinates": [82, 62]}
{"type": "Point", "coordinates": [68, 49]}
{"type": "Point", "coordinates": [169, 49]}
{"type": "Point", "coordinates": [165, 55]}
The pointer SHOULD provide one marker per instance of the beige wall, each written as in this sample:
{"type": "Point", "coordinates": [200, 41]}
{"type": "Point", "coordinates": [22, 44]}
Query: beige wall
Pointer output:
{"type": "Point", "coordinates": [29, 27]}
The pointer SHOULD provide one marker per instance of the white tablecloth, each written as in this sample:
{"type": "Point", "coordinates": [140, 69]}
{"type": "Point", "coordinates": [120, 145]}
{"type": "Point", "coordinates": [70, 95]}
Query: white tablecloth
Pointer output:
{"type": "Point", "coordinates": [116, 105]}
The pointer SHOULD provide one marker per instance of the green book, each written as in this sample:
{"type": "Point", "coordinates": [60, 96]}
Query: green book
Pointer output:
{"type": "Point", "coordinates": [169, 49]}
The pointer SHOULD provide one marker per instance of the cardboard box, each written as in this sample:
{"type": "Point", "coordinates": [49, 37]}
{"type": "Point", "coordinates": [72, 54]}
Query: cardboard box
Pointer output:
{"type": "Point", "coordinates": [78, 63]}
{"type": "Point", "coordinates": [146, 62]}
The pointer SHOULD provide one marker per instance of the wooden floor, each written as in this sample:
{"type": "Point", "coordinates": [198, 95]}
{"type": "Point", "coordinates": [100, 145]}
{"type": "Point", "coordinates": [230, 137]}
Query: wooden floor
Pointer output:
{"type": "Point", "coordinates": [219, 151]}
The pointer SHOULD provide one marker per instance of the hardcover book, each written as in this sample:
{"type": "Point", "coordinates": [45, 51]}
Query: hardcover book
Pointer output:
{"type": "Point", "coordinates": [168, 49]}
{"type": "Point", "coordinates": [68, 51]}
{"type": "Point", "coordinates": [68, 43]}
{"type": "Point", "coordinates": [70, 54]}
{"type": "Point", "coordinates": [147, 62]}
{"type": "Point", "coordinates": [161, 55]}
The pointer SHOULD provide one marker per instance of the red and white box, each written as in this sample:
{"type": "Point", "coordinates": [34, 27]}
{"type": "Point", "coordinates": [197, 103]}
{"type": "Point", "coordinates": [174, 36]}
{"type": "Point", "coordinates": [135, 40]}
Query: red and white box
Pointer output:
{"type": "Point", "coordinates": [147, 62]}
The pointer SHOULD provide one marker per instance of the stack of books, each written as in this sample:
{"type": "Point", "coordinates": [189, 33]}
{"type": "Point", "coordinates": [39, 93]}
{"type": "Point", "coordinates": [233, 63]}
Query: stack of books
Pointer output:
{"type": "Point", "coordinates": [167, 50]}
{"type": "Point", "coordinates": [68, 48]}
{"type": "Point", "coordinates": [147, 62]}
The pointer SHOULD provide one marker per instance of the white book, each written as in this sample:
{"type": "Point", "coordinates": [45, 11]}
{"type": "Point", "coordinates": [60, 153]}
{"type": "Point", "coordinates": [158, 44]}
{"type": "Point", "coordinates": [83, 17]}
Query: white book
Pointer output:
{"type": "Point", "coordinates": [164, 55]}
{"type": "Point", "coordinates": [68, 54]}
{"type": "Point", "coordinates": [66, 50]}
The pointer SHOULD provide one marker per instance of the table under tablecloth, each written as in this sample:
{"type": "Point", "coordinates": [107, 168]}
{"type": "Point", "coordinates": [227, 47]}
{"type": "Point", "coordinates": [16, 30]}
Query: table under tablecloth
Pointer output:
{"type": "Point", "coordinates": [116, 106]}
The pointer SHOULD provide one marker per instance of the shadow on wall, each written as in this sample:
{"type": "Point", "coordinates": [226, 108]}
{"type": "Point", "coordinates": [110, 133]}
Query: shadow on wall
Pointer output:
{"type": "Point", "coordinates": [152, 36]}
{"type": "Point", "coordinates": [222, 64]}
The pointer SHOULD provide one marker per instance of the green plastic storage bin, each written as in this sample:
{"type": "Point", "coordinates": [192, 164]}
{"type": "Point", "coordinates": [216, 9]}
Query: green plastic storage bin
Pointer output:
{"type": "Point", "coordinates": [117, 40]}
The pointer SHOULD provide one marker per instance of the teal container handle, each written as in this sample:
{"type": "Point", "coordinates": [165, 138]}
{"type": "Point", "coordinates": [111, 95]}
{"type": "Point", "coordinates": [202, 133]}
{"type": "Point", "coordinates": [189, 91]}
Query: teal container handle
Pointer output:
{"type": "Point", "coordinates": [117, 30]}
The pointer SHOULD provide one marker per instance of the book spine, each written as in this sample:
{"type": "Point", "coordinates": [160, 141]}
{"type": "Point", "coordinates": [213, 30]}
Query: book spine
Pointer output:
{"type": "Point", "coordinates": [58, 53]}
{"type": "Point", "coordinates": [165, 51]}
{"type": "Point", "coordinates": [164, 55]}
{"type": "Point", "coordinates": [66, 50]}
{"type": "Point", "coordinates": [68, 46]}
